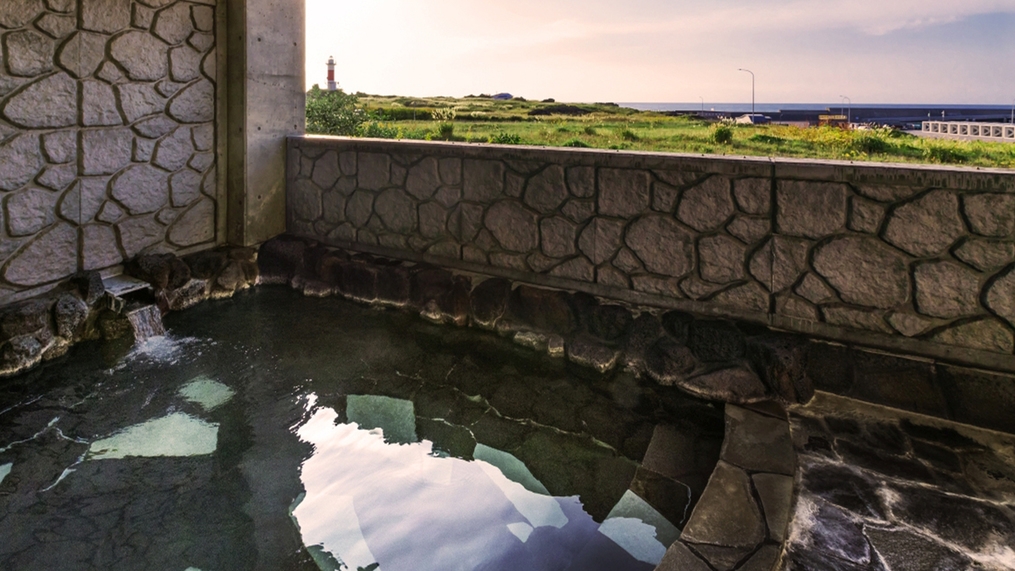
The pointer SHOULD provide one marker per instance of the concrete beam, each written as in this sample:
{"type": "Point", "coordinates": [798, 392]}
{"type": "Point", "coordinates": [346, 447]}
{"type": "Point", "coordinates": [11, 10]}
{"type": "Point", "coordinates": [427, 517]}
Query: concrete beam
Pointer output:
{"type": "Point", "coordinates": [266, 102]}
{"type": "Point", "coordinates": [966, 130]}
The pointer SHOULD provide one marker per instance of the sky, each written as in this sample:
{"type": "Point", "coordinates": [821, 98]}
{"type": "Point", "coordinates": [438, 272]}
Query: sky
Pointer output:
{"type": "Point", "coordinates": [801, 51]}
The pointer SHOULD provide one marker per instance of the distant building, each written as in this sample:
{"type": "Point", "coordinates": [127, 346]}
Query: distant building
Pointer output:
{"type": "Point", "coordinates": [503, 97]}
{"type": "Point", "coordinates": [332, 86]}
{"type": "Point", "coordinates": [753, 119]}
{"type": "Point", "coordinates": [840, 121]}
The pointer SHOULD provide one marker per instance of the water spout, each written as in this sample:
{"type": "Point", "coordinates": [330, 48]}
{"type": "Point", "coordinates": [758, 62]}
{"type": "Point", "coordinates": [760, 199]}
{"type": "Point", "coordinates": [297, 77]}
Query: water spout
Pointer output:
{"type": "Point", "coordinates": [146, 322]}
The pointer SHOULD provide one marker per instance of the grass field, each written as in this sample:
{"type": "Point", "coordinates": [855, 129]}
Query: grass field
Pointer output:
{"type": "Point", "coordinates": [606, 126]}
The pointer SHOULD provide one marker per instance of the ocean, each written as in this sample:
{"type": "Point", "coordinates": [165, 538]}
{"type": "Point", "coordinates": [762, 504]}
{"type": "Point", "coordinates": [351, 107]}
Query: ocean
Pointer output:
{"type": "Point", "coordinates": [773, 107]}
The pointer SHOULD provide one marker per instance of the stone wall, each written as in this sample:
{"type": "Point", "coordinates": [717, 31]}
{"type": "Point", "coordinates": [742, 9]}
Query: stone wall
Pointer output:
{"type": "Point", "coordinates": [918, 259]}
{"type": "Point", "coordinates": [107, 135]}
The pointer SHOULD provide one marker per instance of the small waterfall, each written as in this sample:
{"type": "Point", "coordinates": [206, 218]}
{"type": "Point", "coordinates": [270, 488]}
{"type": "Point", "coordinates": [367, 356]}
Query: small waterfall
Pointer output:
{"type": "Point", "coordinates": [146, 322]}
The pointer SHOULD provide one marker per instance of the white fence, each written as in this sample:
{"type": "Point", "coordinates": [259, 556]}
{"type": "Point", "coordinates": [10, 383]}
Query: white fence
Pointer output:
{"type": "Point", "coordinates": [962, 129]}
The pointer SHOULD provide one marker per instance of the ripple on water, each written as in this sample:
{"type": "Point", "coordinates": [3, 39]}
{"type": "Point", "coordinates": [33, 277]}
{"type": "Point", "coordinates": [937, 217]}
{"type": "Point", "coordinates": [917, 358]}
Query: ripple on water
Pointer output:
{"type": "Point", "coordinates": [167, 350]}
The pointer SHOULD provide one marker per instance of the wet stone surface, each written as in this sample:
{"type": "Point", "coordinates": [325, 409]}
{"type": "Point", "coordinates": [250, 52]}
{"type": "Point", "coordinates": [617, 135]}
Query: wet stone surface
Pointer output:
{"type": "Point", "coordinates": [741, 520]}
{"type": "Point", "coordinates": [885, 490]}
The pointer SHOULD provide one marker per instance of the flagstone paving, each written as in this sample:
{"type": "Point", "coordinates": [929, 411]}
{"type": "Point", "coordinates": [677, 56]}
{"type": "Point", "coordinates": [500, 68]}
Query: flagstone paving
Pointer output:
{"type": "Point", "coordinates": [880, 489]}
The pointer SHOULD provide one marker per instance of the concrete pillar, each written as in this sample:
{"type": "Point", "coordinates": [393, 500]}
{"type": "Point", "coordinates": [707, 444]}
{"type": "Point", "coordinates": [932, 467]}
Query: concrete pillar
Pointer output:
{"type": "Point", "coordinates": [265, 101]}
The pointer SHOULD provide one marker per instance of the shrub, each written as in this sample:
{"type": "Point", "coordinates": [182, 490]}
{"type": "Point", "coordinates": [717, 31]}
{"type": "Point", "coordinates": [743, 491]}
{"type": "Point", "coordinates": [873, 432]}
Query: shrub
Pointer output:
{"type": "Point", "coordinates": [402, 114]}
{"type": "Point", "coordinates": [576, 143]}
{"type": "Point", "coordinates": [591, 131]}
{"type": "Point", "coordinates": [378, 130]}
{"type": "Point", "coordinates": [333, 112]}
{"type": "Point", "coordinates": [722, 135]}
{"type": "Point", "coordinates": [628, 135]}
{"type": "Point", "coordinates": [444, 117]}
{"type": "Point", "coordinates": [869, 142]}
{"type": "Point", "coordinates": [505, 139]}
{"type": "Point", "coordinates": [945, 154]}
{"type": "Point", "coordinates": [410, 102]}
{"type": "Point", "coordinates": [559, 109]}
{"type": "Point", "coordinates": [766, 139]}
{"type": "Point", "coordinates": [444, 114]}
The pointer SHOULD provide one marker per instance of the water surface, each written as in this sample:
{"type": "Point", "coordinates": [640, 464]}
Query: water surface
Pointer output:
{"type": "Point", "coordinates": [278, 432]}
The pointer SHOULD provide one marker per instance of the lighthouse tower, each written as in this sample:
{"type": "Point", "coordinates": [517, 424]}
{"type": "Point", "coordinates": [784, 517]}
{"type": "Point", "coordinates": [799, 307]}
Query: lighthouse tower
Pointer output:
{"type": "Point", "coordinates": [332, 86]}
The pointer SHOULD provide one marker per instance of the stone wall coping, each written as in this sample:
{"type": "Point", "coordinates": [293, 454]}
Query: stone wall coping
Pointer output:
{"type": "Point", "coordinates": [736, 166]}
{"type": "Point", "coordinates": [902, 174]}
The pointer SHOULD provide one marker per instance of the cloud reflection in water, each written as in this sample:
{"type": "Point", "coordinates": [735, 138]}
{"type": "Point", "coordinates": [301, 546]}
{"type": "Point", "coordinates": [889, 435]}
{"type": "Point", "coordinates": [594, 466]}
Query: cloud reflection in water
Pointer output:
{"type": "Point", "coordinates": [369, 501]}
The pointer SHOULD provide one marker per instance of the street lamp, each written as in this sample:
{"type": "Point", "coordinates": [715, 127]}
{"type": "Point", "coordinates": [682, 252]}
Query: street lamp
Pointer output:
{"type": "Point", "coordinates": [849, 117]}
{"type": "Point", "coordinates": [752, 90]}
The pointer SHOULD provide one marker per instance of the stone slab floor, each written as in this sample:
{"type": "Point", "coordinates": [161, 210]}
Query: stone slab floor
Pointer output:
{"type": "Point", "coordinates": [880, 489]}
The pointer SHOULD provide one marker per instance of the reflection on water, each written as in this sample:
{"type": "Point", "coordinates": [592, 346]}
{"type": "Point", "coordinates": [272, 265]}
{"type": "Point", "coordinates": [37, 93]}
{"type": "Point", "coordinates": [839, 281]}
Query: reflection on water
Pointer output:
{"type": "Point", "coordinates": [376, 496]}
{"type": "Point", "coordinates": [178, 434]}
{"type": "Point", "coordinates": [207, 393]}
{"type": "Point", "coordinates": [396, 416]}
{"type": "Point", "coordinates": [369, 500]}
{"type": "Point", "coordinates": [240, 441]}
{"type": "Point", "coordinates": [641, 530]}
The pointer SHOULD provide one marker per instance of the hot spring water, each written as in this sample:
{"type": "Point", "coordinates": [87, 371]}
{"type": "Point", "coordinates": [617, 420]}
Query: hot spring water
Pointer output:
{"type": "Point", "coordinates": [278, 432]}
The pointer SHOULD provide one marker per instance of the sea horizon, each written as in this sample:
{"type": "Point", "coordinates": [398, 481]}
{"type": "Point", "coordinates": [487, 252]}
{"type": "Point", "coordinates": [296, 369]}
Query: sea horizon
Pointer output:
{"type": "Point", "coordinates": [774, 107]}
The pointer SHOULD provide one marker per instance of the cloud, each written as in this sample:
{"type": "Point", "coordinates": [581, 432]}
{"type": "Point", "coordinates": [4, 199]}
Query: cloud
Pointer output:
{"type": "Point", "coordinates": [803, 50]}
{"type": "Point", "coordinates": [536, 22]}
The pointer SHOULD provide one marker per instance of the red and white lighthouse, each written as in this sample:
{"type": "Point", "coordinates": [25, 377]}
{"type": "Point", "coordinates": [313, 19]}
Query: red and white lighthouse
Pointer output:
{"type": "Point", "coordinates": [332, 86]}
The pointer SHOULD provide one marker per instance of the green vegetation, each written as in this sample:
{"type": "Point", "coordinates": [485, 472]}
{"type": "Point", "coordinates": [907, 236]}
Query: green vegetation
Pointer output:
{"type": "Point", "coordinates": [606, 126]}
{"type": "Point", "coordinates": [722, 134]}
{"type": "Point", "coordinates": [333, 112]}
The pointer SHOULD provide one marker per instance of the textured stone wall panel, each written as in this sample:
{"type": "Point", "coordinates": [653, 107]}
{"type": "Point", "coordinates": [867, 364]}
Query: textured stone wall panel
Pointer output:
{"type": "Point", "coordinates": [928, 225]}
{"type": "Point", "coordinates": [107, 134]}
{"type": "Point", "coordinates": [47, 102]}
{"type": "Point", "coordinates": [843, 250]}
{"type": "Point", "coordinates": [28, 53]}
{"type": "Point", "coordinates": [17, 13]}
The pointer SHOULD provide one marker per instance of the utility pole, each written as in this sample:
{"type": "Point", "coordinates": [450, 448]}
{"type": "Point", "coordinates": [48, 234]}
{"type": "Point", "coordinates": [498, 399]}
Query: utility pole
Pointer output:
{"type": "Point", "coordinates": [752, 91]}
{"type": "Point", "coordinates": [703, 104]}
{"type": "Point", "coordinates": [849, 116]}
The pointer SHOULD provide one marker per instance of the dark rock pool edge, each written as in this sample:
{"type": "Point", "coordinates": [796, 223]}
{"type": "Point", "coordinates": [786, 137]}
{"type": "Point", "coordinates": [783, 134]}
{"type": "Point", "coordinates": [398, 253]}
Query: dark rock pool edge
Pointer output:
{"type": "Point", "coordinates": [45, 328]}
{"type": "Point", "coordinates": [713, 359]}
